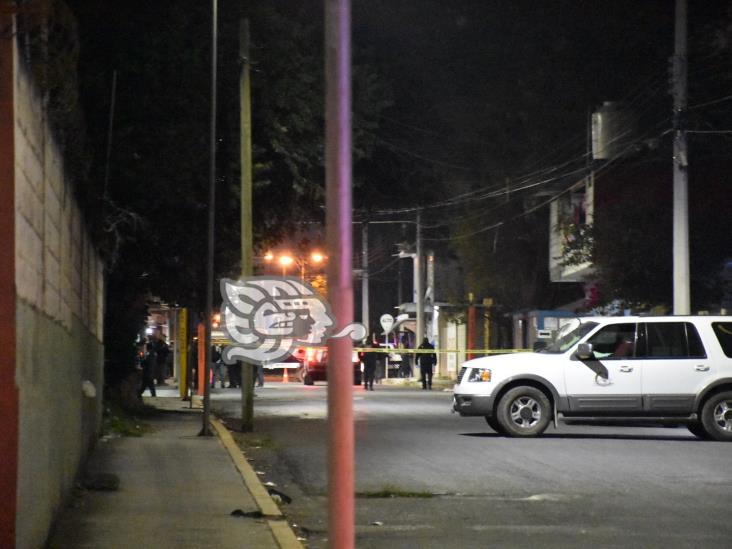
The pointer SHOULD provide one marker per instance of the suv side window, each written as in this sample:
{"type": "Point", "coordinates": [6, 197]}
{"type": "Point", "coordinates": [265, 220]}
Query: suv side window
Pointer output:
{"type": "Point", "coordinates": [723, 331]}
{"type": "Point", "coordinates": [615, 341]}
{"type": "Point", "coordinates": [673, 340]}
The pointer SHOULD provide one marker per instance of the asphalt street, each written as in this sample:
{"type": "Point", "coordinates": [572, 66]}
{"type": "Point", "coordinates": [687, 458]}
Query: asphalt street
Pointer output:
{"type": "Point", "coordinates": [429, 478]}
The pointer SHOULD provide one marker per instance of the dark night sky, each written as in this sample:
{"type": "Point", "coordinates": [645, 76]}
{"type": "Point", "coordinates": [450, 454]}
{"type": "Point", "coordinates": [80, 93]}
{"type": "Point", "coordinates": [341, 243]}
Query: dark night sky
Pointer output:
{"type": "Point", "coordinates": [459, 66]}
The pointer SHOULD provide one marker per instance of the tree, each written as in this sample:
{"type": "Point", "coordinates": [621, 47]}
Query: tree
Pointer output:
{"type": "Point", "coordinates": [155, 200]}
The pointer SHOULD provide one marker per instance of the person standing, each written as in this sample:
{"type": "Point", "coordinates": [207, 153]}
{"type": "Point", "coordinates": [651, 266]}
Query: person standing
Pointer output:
{"type": "Point", "coordinates": [369, 359]}
{"type": "Point", "coordinates": [426, 361]}
{"type": "Point", "coordinates": [259, 375]}
{"type": "Point", "coordinates": [219, 369]}
{"type": "Point", "coordinates": [235, 374]}
{"type": "Point", "coordinates": [161, 361]}
{"type": "Point", "coordinates": [405, 368]}
{"type": "Point", "coordinates": [148, 363]}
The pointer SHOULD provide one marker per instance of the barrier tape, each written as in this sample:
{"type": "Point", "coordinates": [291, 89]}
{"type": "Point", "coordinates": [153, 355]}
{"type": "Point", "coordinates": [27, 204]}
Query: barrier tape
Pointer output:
{"type": "Point", "coordinates": [400, 351]}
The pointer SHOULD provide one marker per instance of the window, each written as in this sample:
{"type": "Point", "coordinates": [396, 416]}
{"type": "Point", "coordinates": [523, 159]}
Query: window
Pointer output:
{"type": "Point", "coordinates": [723, 331]}
{"type": "Point", "coordinates": [673, 340]}
{"type": "Point", "coordinates": [616, 341]}
{"type": "Point", "coordinates": [568, 335]}
{"type": "Point", "coordinates": [696, 348]}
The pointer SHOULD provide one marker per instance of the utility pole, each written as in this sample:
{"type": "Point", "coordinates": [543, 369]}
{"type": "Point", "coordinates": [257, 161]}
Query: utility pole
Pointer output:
{"type": "Point", "coordinates": [341, 445]}
{"type": "Point", "coordinates": [110, 133]}
{"type": "Point", "coordinates": [419, 301]}
{"type": "Point", "coordinates": [247, 244]}
{"type": "Point", "coordinates": [365, 276]}
{"type": "Point", "coordinates": [682, 300]}
{"type": "Point", "coordinates": [205, 430]}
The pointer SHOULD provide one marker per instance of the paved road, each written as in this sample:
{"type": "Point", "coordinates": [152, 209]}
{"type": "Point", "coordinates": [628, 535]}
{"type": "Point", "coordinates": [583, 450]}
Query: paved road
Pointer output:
{"type": "Point", "coordinates": [577, 486]}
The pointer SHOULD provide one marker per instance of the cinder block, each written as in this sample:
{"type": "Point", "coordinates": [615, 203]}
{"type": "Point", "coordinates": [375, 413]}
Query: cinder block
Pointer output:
{"type": "Point", "coordinates": [29, 161]}
{"type": "Point", "coordinates": [28, 282]}
{"type": "Point", "coordinates": [52, 203]}
{"type": "Point", "coordinates": [52, 235]}
{"type": "Point", "coordinates": [28, 203]}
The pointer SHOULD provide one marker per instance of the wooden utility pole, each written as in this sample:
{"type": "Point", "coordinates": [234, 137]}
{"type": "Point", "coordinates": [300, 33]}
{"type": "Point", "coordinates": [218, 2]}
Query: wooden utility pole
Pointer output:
{"type": "Point", "coordinates": [205, 430]}
{"type": "Point", "coordinates": [341, 446]}
{"type": "Point", "coordinates": [365, 277]}
{"type": "Point", "coordinates": [247, 240]}
{"type": "Point", "coordinates": [418, 285]}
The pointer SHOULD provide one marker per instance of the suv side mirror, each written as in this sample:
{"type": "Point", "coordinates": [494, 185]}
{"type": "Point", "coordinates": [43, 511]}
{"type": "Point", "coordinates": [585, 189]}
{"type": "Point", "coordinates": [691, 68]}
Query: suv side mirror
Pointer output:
{"type": "Point", "coordinates": [584, 351]}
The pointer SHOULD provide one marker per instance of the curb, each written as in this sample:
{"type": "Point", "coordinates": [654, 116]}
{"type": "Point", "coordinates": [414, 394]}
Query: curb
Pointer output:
{"type": "Point", "coordinates": [281, 531]}
{"type": "Point", "coordinates": [439, 385]}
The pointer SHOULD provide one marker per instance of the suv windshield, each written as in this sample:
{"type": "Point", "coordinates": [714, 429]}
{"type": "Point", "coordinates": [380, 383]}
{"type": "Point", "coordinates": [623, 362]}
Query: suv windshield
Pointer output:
{"type": "Point", "coordinates": [568, 335]}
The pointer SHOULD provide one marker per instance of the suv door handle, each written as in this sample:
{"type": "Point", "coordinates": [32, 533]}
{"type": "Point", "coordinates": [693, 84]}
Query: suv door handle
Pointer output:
{"type": "Point", "coordinates": [702, 368]}
{"type": "Point", "coordinates": [626, 368]}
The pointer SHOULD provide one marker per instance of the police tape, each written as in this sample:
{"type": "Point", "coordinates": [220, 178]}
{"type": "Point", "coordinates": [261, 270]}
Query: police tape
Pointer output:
{"type": "Point", "coordinates": [403, 351]}
{"type": "Point", "coordinates": [400, 351]}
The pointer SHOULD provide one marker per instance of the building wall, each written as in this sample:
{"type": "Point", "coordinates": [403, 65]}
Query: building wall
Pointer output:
{"type": "Point", "coordinates": [579, 207]}
{"type": "Point", "coordinates": [58, 318]}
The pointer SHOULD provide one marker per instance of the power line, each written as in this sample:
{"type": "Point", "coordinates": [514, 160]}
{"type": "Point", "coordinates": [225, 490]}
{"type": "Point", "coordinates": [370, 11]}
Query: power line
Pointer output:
{"type": "Point", "coordinates": [708, 103]}
{"type": "Point", "coordinates": [554, 197]}
{"type": "Point", "coordinates": [643, 96]}
{"type": "Point", "coordinates": [524, 182]}
{"type": "Point", "coordinates": [399, 149]}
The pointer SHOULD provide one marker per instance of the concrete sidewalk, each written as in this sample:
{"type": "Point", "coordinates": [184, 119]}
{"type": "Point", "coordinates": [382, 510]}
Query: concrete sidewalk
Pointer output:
{"type": "Point", "coordinates": [176, 490]}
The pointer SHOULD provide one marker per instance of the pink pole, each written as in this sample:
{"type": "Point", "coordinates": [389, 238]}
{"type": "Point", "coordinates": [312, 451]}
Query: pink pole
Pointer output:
{"type": "Point", "coordinates": [341, 478]}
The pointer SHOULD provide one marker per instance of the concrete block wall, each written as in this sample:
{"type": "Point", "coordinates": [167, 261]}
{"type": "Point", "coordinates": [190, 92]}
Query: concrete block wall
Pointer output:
{"type": "Point", "coordinates": [59, 316]}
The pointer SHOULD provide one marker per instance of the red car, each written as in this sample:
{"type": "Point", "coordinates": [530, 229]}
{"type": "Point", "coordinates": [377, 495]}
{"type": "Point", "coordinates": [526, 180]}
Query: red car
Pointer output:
{"type": "Point", "coordinates": [313, 365]}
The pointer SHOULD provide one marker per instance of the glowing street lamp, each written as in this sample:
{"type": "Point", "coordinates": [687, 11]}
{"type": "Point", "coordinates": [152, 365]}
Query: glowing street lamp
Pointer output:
{"type": "Point", "coordinates": [286, 260]}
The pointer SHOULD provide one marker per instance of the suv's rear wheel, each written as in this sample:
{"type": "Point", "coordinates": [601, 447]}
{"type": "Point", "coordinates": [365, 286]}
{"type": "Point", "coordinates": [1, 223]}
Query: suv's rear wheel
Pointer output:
{"type": "Point", "coordinates": [524, 412]}
{"type": "Point", "coordinates": [716, 416]}
{"type": "Point", "coordinates": [307, 379]}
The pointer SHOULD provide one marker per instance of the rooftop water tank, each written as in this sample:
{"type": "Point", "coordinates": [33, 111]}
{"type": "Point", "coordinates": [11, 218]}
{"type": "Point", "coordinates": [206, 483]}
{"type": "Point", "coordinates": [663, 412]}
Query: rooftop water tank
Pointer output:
{"type": "Point", "coordinates": [613, 132]}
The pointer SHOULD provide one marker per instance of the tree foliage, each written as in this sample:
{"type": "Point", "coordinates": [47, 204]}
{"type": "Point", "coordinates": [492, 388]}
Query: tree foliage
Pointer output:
{"type": "Point", "coordinates": [155, 198]}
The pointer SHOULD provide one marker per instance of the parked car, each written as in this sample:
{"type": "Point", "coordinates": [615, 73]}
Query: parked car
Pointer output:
{"type": "Point", "coordinates": [393, 358]}
{"type": "Point", "coordinates": [313, 365]}
{"type": "Point", "coordinates": [677, 369]}
{"type": "Point", "coordinates": [291, 364]}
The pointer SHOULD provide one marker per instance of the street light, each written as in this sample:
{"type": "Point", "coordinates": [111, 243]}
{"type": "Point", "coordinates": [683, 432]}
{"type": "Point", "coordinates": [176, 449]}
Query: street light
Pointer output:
{"type": "Point", "coordinates": [285, 260]}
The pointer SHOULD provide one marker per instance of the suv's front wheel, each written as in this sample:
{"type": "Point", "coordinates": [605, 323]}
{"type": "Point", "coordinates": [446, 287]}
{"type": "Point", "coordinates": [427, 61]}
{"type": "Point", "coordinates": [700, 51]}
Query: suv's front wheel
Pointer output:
{"type": "Point", "coordinates": [716, 416]}
{"type": "Point", "coordinates": [697, 429]}
{"type": "Point", "coordinates": [493, 424]}
{"type": "Point", "coordinates": [524, 412]}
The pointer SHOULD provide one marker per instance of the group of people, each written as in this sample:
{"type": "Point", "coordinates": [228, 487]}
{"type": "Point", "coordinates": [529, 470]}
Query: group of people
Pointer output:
{"type": "Point", "coordinates": [153, 365]}
{"type": "Point", "coordinates": [424, 359]}
{"type": "Point", "coordinates": [220, 371]}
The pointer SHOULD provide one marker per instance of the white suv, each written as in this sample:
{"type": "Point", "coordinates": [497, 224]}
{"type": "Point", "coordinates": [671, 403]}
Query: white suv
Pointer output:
{"type": "Point", "coordinates": [675, 368]}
